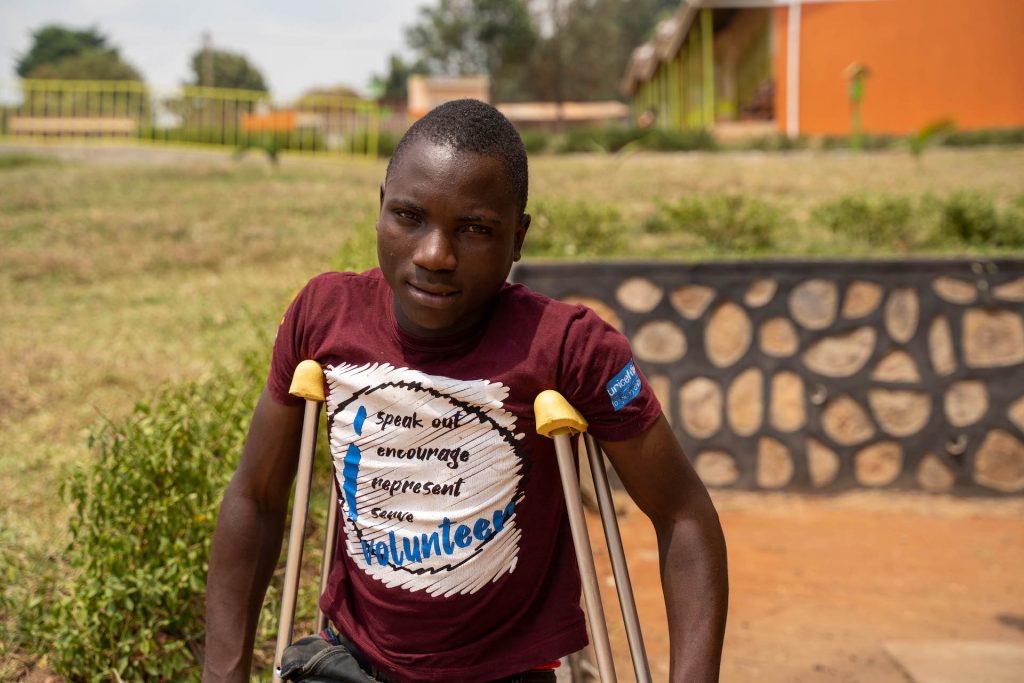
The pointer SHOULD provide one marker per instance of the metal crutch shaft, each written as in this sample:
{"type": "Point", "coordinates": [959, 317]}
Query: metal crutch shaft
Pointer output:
{"type": "Point", "coordinates": [617, 554]}
{"type": "Point", "coordinates": [584, 556]}
{"type": "Point", "coordinates": [329, 545]}
{"type": "Point", "coordinates": [307, 383]}
{"type": "Point", "coordinates": [559, 420]}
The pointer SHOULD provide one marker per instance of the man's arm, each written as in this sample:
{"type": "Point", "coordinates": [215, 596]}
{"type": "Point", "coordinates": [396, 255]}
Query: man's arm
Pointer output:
{"type": "Point", "coordinates": [691, 546]}
{"type": "Point", "coordinates": [247, 541]}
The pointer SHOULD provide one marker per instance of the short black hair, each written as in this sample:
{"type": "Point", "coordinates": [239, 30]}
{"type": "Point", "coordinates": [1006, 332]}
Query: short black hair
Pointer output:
{"type": "Point", "coordinates": [472, 126]}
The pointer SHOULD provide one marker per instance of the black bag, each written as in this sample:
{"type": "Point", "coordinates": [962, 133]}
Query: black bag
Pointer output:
{"type": "Point", "coordinates": [314, 660]}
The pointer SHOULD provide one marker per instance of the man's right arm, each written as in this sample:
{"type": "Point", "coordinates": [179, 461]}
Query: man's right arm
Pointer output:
{"type": "Point", "coordinates": [247, 540]}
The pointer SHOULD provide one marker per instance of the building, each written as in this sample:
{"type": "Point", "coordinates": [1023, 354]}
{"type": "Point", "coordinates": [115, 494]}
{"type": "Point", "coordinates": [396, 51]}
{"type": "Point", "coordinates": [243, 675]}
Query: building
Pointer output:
{"type": "Point", "coordinates": [426, 92]}
{"type": "Point", "coordinates": [555, 116]}
{"type": "Point", "coordinates": [825, 67]}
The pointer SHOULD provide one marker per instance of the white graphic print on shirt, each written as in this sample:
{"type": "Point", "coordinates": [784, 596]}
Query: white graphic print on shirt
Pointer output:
{"type": "Point", "coordinates": [430, 476]}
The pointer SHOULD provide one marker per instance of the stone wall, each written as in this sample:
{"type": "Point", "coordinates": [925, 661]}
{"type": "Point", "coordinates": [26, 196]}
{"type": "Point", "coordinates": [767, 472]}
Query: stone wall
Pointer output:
{"type": "Point", "coordinates": [823, 376]}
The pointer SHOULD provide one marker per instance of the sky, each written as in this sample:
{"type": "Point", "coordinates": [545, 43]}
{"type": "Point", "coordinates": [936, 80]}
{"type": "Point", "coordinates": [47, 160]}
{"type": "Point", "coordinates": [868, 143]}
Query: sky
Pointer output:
{"type": "Point", "coordinates": [296, 45]}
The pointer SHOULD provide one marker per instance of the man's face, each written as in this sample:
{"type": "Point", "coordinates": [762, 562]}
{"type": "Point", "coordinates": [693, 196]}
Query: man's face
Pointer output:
{"type": "Point", "coordinates": [448, 232]}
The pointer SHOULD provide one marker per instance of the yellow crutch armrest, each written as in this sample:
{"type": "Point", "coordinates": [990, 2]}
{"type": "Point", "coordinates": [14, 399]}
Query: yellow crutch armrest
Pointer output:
{"type": "Point", "coordinates": [554, 413]}
{"type": "Point", "coordinates": [308, 381]}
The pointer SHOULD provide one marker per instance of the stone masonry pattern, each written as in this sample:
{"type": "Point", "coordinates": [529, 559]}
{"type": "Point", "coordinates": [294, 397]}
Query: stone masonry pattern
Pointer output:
{"type": "Point", "coordinates": [825, 376]}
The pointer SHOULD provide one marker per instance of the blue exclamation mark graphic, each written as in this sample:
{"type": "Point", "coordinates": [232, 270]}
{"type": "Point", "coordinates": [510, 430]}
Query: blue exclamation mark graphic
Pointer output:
{"type": "Point", "coordinates": [350, 472]}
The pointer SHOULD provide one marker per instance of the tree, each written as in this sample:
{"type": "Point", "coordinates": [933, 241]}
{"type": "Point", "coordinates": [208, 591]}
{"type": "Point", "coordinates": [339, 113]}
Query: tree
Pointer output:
{"type": "Point", "coordinates": [463, 37]}
{"type": "Point", "coordinates": [59, 52]}
{"type": "Point", "coordinates": [393, 86]}
{"type": "Point", "coordinates": [225, 69]}
{"type": "Point", "coordinates": [588, 45]}
{"type": "Point", "coordinates": [321, 94]}
{"type": "Point", "coordinates": [90, 65]}
{"type": "Point", "coordinates": [554, 50]}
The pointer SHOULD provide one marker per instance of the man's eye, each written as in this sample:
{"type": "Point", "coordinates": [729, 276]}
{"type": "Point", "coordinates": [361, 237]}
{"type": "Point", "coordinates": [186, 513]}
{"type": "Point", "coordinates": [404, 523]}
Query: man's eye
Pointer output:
{"type": "Point", "coordinates": [478, 229]}
{"type": "Point", "coordinates": [406, 215]}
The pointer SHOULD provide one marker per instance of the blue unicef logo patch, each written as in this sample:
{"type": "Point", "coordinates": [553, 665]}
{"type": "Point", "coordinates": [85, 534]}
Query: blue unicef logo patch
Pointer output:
{"type": "Point", "coordinates": [624, 387]}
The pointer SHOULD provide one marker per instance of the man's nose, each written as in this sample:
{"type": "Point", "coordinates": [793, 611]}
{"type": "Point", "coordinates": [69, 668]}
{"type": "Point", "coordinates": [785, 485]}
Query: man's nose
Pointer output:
{"type": "Point", "coordinates": [434, 251]}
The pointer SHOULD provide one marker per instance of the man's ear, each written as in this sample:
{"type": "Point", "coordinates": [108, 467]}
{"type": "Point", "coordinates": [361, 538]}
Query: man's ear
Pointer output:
{"type": "Point", "coordinates": [524, 225]}
{"type": "Point", "coordinates": [382, 194]}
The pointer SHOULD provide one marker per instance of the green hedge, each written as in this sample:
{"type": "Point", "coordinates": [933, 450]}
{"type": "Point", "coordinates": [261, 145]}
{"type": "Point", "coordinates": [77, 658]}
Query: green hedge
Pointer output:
{"type": "Point", "coordinates": [723, 222]}
{"type": "Point", "coordinates": [616, 138]}
{"type": "Point", "coordinates": [128, 602]}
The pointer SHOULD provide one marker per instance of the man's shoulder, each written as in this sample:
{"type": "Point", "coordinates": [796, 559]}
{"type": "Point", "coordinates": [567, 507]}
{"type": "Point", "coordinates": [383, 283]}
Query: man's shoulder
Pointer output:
{"type": "Point", "coordinates": [523, 302]}
{"type": "Point", "coordinates": [520, 298]}
{"type": "Point", "coordinates": [335, 282]}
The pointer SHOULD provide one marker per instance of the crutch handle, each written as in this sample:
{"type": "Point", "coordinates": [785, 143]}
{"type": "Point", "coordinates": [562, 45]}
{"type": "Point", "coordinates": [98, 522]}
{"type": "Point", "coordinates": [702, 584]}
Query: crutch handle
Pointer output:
{"type": "Point", "coordinates": [554, 413]}
{"type": "Point", "coordinates": [308, 381]}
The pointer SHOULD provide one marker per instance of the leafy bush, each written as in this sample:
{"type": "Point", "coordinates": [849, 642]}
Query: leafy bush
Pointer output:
{"type": "Point", "coordinates": [386, 143]}
{"type": "Point", "coordinates": [779, 142]}
{"type": "Point", "coordinates": [304, 140]}
{"type": "Point", "coordinates": [995, 136]}
{"type": "Point", "coordinates": [728, 222]}
{"type": "Point", "coordinates": [616, 138]}
{"type": "Point", "coordinates": [930, 134]}
{"type": "Point", "coordinates": [881, 221]}
{"type": "Point", "coordinates": [611, 139]}
{"type": "Point", "coordinates": [867, 141]}
{"type": "Point", "coordinates": [130, 607]}
{"type": "Point", "coordinates": [576, 228]}
{"type": "Point", "coordinates": [13, 161]}
{"type": "Point", "coordinates": [664, 140]}
{"type": "Point", "coordinates": [975, 219]}
{"type": "Point", "coordinates": [535, 141]}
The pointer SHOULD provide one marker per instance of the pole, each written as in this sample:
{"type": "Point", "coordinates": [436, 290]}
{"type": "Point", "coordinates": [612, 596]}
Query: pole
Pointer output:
{"type": "Point", "coordinates": [617, 554]}
{"type": "Point", "coordinates": [793, 70]}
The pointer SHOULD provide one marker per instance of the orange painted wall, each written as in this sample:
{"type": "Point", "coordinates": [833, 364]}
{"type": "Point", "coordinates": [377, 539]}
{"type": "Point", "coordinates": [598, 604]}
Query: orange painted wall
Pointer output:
{"type": "Point", "coordinates": [929, 60]}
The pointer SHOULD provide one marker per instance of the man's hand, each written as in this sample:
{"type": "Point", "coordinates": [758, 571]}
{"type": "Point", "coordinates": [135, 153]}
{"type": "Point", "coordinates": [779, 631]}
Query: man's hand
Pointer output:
{"type": "Point", "coordinates": [691, 547]}
{"type": "Point", "coordinates": [247, 541]}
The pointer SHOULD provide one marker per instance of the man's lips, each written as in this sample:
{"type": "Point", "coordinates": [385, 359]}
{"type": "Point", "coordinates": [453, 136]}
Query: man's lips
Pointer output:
{"type": "Point", "coordinates": [433, 295]}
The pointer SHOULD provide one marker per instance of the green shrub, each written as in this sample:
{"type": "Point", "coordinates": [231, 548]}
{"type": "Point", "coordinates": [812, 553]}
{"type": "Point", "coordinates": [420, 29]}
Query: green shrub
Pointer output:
{"type": "Point", "coordinates": [690, 140]}
{"type": "Point", "coordinates": [969, 217]}
{"type": "Point", "coordinates": [386, 143]}
{"type": "Point", "coordinates": [1013, 231]}
{"type": "Point", "coordinates": [775, 143]}
{"type": "Point", "coordinates": [610, 139]}
{"type": "Point", "coordinates": [868, 141]}
{"type": "Point", "coordinates": [303, 140]}
{"type": "Point", "coordinates": [975, 219]}
{"type": "Point", "coordinates": [616, 138]}
{"type": "Point", "coordinates": [890, 222]}
{"type": "Point", "coordinates": [993, 136]}
{"type": "Point", "coordinates": [726, 222]}
{"type": "Point", "coordinates": [13, 161]}
{"type": "Point", "coordinates": [535, 141]}
{"type": "Point", "coordinates": [130, 605]}
{"type": "Point", "coordinates": [576, 228]}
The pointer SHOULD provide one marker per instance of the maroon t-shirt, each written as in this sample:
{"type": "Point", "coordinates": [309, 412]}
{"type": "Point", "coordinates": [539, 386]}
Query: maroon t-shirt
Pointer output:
{"type": "Point", "coordinates": [455, 560]}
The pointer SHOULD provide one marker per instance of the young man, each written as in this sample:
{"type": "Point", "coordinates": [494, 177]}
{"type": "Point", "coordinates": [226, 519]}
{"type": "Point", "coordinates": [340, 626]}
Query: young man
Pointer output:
{"type": "Point", "coordinates": [455, 561]}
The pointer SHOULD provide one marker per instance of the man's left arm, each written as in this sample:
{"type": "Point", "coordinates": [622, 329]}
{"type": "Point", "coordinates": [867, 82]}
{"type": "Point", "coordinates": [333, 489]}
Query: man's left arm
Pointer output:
{"type": "Point", "coordinates": [691, 547]}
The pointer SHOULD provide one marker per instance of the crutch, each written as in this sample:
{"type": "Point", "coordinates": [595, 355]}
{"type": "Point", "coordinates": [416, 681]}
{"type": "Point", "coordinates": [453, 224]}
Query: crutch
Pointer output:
{"type": "Point", "coordinates": [307, 383]}
{"type": "Point", "coordinates": [557, 419]}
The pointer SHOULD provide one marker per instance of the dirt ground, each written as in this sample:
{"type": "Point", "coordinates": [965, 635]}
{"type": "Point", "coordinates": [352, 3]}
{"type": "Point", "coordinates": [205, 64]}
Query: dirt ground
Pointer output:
{"type": "Point", "coordinates": [818, 585]}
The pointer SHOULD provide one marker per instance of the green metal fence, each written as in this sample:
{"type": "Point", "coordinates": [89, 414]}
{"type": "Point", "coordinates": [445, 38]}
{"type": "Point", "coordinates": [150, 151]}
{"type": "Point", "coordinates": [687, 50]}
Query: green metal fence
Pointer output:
{"type": "Point", "coordinates": [96, 111]}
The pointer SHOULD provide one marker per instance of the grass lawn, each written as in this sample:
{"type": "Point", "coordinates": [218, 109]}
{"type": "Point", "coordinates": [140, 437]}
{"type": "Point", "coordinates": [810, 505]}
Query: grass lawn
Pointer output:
{"type": "Point", "coordinates": [116, 277]}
